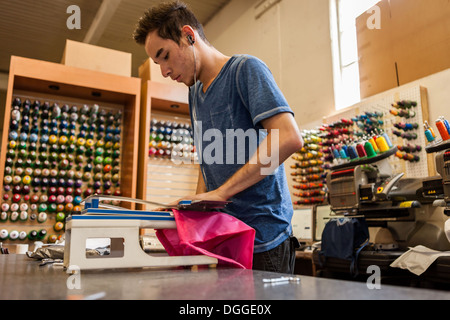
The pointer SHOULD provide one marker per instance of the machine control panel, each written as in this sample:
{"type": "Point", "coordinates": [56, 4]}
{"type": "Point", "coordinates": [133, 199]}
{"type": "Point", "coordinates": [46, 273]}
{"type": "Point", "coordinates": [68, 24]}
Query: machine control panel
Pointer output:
{"type": "Point", "coordinates": [382, 192]}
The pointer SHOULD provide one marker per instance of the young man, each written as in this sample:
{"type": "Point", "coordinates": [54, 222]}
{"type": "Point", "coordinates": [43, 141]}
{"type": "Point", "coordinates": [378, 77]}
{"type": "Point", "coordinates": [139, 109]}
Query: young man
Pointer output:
{"type": "Point", "coordinates": [231, 98]}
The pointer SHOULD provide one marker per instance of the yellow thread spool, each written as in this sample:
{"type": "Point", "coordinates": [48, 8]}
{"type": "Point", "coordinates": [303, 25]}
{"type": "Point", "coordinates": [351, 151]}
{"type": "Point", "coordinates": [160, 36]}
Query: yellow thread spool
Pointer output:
{"type": "Point", "coordinates": [382, 144]}
{"type": "Point", "coordinates": [374, 145]}
{"type": "Point", "coordinates": [432, 132]}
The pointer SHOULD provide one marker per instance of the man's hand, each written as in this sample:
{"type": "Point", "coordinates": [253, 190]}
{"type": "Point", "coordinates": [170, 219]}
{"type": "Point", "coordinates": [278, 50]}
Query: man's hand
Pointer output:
{"type": "Point", "coordinates": [215, 195]}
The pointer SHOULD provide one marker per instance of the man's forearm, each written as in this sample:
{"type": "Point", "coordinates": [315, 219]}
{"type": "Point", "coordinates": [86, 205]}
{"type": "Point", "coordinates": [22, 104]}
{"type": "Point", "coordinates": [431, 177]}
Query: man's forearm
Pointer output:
{"type": "Point", "coordinates": [201, 187]}
{"type": "Point", "coordinates": [282, 140]}
{"type": "Point", "coordinates": [272, 152]}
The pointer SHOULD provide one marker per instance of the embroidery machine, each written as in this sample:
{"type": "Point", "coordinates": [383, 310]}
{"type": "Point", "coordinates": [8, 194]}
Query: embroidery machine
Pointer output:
{"type": "Point", "coordinates": [122, 227]}
{"type": "Point", "coordinates": [438, 188]}
{"type": "Point", "coordinates": [390, 203]}
{"type": "Point", "coordinates": [369, 187]}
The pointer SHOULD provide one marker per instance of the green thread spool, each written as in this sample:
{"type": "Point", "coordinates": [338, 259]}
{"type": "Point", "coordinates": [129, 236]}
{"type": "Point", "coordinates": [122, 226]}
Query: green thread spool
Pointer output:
{"type": "Point", "coordinates": [370, 151]}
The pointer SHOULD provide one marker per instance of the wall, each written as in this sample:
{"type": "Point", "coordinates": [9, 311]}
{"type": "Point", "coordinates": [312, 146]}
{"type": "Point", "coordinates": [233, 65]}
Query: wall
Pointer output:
{"type": "Point", "coordinates": [437, 86]}
{"type": "Point", "coordinates": [293, 39]}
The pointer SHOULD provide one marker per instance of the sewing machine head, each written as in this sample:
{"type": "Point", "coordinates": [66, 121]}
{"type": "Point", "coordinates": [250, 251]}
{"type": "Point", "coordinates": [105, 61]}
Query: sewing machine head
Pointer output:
{"type": "Point", "coordinates": [438, 188]}
{"type": "Point", "coordinates": [392, 202]}
{"type": "Point", "coordinates": [371, 189]}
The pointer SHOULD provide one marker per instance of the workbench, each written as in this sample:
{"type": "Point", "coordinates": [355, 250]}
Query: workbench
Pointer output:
{"type": "Point", "coordinates": [23, 278]}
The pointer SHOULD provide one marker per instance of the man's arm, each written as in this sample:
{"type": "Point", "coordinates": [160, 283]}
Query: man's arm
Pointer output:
{"type": "Point", "coordinates": [289, 140]}
{"type": "Point", "coordinates": [201, 187]}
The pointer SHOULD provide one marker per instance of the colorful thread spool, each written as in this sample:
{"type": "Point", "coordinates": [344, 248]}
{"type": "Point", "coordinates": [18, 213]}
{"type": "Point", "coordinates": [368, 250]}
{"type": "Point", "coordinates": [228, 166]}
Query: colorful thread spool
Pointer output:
{"type": "Point", "coordinates": [343, 154]}
{"type": "Point", "coordinates": [382, 144]}
{"type": "Point", "coordinates": [344, 146]}
{"type": "Point", "coordinates": [352, 153]}
{"type": "Point", "coordinates": [361, 151]}
{"type": "Point", "coordinates": [431, 129]}
{"type": "Point", "coordinates": [447, 125]}
{"type": "Point", "coordinates": [335, 152]}
{"type": "Point", "coordinates": [374, 146]}
{"type": "Point", "coordinates": [442, 129]}
{"type": "Point", "coordinates": [388, 140]}
{"type": "Point", "coordinates": [428, 134]}
{"type": "Point", "coordinates": [370, 151]}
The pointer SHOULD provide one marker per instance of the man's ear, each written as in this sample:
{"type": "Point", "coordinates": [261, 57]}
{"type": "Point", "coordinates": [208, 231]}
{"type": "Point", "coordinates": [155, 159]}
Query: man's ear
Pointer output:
{"type": "Point", "coordinates": [188, 33]}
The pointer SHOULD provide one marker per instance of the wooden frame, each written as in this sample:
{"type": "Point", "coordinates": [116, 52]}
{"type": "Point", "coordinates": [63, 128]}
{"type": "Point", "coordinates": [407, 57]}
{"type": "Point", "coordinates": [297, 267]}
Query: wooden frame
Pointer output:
{"type": "Point", "coordinates": [42, 79]}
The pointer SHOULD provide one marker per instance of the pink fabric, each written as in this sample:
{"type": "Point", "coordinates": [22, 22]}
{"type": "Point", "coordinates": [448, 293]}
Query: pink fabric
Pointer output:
{"type": "Point", "coordinates": [214, 234]}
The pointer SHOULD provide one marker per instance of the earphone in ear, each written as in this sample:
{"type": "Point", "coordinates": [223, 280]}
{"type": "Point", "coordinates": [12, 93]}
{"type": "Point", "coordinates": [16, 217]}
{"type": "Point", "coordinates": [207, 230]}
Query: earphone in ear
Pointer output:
{"type": "Point", "coordinates": [190, 39]}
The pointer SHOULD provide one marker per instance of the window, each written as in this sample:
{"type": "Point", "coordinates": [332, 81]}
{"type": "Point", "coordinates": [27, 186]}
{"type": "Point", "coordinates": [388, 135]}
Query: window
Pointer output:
{"type": "Point", "coordinates": [343, 14]}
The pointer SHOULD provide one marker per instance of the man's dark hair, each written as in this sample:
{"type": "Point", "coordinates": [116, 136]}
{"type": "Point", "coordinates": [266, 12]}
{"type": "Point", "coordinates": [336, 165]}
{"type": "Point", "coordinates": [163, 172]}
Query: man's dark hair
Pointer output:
{"type": "Point", "coordinates": [167, 18]}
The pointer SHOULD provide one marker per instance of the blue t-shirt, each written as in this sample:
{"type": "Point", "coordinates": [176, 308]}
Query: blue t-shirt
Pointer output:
{"type": "Point", "coordinates": [243, 94]}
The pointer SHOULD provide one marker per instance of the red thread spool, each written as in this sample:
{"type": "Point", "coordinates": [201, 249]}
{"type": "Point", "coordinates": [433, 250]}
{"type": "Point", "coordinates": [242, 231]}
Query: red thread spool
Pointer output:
{"type": "Point", "coordinates": [361, 151]}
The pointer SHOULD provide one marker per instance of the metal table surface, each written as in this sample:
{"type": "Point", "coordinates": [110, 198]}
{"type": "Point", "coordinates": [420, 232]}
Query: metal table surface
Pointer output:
{"type": "Point", "coordinates": [22, 278]}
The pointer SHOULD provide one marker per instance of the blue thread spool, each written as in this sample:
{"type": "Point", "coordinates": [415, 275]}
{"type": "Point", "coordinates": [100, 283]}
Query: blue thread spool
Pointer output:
{"type": "Point", "coordinates": [352, 153]}
{"type": "Point", "coordinates": [447, 125]}
{"type": "Point", "coordinates": [335, 153]}
{"type": "Point", "coordinates": [343, 154]}
{"type": "Point", "coordinates": [388, 140]}
{"type": "Point", "coordinates": [428, 133]}
{"type": "Point", "coordinates": [345, 149]}
{"type": "Point", "coordinates": [429, 136]}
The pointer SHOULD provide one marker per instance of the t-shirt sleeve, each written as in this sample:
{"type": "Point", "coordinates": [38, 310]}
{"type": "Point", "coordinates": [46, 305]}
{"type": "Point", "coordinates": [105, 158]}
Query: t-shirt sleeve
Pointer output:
{"type": "Point", "coordinates": [258, 90]}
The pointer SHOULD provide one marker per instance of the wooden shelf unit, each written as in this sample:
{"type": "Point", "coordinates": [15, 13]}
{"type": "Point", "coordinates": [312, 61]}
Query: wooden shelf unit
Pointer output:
{"type": "Point", "coordinates": [57, 82]}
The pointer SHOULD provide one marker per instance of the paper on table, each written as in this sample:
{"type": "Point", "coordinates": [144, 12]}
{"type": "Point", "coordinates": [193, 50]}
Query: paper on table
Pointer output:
{"type": "Point", "coordinates": [447, 229]}
{"type": "Point", "coordinates": [418, 259]}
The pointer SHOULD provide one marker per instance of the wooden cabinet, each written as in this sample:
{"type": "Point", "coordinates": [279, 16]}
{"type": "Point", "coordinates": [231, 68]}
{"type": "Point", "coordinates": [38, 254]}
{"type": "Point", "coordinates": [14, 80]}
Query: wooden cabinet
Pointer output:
{"type": "Point", "coordinates": [117, 99]}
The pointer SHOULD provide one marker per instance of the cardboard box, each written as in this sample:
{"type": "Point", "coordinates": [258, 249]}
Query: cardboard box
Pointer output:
{"type": "Point", "coordinates": [87, 56]}
{"type": "Point", "coordinates": [413, 42]}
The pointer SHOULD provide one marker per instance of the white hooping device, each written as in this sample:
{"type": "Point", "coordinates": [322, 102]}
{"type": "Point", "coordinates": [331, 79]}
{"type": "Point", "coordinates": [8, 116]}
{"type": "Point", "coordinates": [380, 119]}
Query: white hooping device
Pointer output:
{"type": "Point", "coordinates": [122, 227]}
